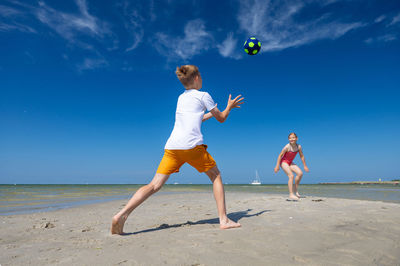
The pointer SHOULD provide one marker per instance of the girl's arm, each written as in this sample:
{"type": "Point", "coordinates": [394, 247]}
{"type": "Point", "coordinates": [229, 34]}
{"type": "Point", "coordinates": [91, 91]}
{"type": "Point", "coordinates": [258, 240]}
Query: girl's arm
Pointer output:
{"type": "Point", "coordinates": [278, 163]}
{"type": "Point", "coordinates": [303, 159]}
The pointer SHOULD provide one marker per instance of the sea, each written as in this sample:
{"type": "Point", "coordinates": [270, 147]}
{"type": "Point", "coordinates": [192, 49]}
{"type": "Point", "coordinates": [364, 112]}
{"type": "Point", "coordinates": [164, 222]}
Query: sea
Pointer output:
{"type": "Point", "coordinates": [22, 199]}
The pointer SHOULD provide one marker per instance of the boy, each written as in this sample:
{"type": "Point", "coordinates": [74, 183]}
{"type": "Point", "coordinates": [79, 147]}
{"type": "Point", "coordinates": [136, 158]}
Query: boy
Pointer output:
{"type": "Point", "coordinates": [185, 145]}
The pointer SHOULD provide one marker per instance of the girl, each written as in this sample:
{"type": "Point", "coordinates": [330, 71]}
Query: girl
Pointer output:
{"type": "Point", "coordinates": [285, 160]}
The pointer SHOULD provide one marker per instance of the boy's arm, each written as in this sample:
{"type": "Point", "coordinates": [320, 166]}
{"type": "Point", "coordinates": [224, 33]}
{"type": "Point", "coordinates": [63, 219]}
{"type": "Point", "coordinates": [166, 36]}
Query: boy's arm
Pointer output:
{"type": "Point", "coordinates": [303, 159]}
{"type": "Point", "coordinates": [207, 116]}
{"type": "Point", "coordinates": [222, 116]}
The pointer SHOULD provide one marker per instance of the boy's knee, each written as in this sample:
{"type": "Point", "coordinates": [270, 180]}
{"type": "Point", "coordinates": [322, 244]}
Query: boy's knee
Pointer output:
{"type": "Point", "coordinates": [213, 174]}
{"type": "Point", "coordinates": [214, 177]}
{"type": "Point", "coordinates": [155, 187]}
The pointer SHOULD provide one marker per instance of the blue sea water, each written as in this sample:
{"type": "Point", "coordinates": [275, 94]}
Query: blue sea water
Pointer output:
{"type": "Point", "coordinates": [18, 199]}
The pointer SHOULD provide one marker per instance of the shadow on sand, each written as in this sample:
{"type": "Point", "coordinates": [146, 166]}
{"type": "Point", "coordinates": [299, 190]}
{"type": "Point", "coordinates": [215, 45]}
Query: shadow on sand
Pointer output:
{"type": "Point", "coordinates": [234, 216]}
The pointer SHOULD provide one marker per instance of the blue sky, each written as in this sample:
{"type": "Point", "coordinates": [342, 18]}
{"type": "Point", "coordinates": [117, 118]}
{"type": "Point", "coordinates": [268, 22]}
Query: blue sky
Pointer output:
{"type": "Point", "coordinates": [88, 90]}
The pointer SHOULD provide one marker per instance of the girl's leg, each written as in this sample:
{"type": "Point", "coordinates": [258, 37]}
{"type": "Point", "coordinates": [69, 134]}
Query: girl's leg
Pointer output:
{"type": "Point", "coordinates": [219, 195]}
{"type": "Point", "coordinates": [290, 175]}
{"type": "Point", "coordinates": [297, 180]}
{"type": "Point", "coordinates": [138, 198]}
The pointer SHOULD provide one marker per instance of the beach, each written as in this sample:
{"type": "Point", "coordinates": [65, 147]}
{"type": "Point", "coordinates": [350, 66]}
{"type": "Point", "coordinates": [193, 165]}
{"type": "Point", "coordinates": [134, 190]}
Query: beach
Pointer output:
{"type": "Point", "coordinates": [183, 229]}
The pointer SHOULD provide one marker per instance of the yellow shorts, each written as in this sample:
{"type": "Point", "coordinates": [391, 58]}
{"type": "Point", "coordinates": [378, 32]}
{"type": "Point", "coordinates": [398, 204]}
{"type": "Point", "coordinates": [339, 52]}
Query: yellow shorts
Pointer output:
{"type": "Point", "coordinates": [198, 157]}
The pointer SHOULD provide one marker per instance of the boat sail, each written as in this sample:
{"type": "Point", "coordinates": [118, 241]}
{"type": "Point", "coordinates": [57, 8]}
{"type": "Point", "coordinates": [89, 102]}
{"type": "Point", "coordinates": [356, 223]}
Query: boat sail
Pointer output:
{"type": "Point", "coordinates": [257, 180]}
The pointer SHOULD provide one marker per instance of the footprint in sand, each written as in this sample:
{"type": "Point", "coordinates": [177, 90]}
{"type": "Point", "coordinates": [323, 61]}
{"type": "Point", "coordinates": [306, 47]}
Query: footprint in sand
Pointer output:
{"type": "Point", "coordinates": [48, 225]}
{"type": "Point", "coordinates": [87, 229]}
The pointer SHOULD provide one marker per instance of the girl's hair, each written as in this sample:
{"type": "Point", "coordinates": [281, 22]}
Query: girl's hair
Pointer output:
{"type": "Point", "coordinates": [186, 74]}
{"type": "Point", "coordinates": [292, 134]}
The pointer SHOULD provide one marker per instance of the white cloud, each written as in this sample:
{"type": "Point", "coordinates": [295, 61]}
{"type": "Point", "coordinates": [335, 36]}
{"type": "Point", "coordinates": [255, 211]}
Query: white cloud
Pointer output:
{"type": "Point", "coordinates": [395, 20]}
{"type": "Point", "coordinates": [379, 19]}
{"type": "Point", "coordinates": [16, 26]}
{"type": "Point", "coordinates": [275, 24]}
{"type": "Point", "coordinates": [6, 11]}
{"type": "Point", "coordinates": [228, 47]}
{"type": "Point", "coordinates": [133, 21]}
{"type": "Point", "coordinates": [11, 16]}
{"type": "Point", "coordinates": [194, 41]}
{"type": "Point", "coordinates": [384, 38]}
{"type": "Point", "coordinates": [92, 63]}
{"type": "Point", "coordinates": [387, 38]}
{"type": "Point", "coordinates": [70, 25]}
{"type": "Point", "coordinates": [153, 15]}
{"type": "Point", "coordinates": [278, 25]}
{"type": "Point", "coordinates": [390, 32]}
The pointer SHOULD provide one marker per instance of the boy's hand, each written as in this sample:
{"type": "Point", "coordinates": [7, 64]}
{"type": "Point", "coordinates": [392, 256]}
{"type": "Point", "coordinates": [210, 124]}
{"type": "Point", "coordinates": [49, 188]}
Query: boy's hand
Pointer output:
{"type": "Point", "coordinates": [235, 103]}
{"type": "Point", "coordinates": [221, 116]}
{"type": "Point", "coordinates": [276, 169]}
{"type": "Point", "coordinates": [306, 168]}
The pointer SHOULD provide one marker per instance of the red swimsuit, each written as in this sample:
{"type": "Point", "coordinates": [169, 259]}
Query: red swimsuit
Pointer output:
{"type": "Point", "coordinates": [288, 157]}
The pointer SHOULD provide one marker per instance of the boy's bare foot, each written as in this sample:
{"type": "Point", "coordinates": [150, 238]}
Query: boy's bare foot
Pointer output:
{"type": "Point", "coordinates": [228, 224]}
{"type": "Point", "coordinates": [293, 197]}
{"type": "Point", "coordinates": [117, 225]}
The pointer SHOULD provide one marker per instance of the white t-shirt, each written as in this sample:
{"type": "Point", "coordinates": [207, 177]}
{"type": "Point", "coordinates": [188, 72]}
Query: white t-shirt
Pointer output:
{"type": "Point", "coordinates": [188, 119]}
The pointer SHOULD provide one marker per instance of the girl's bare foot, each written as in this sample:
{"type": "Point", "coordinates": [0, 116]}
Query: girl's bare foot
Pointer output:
{"type": "Point", "coordinates": [298, 195]}
{"type": "Point", "coordinates": [227, 224]}
{"type": "Point", "coordinates": [117, 225]}
{"type": "Point", "coordinates": [293, 197]}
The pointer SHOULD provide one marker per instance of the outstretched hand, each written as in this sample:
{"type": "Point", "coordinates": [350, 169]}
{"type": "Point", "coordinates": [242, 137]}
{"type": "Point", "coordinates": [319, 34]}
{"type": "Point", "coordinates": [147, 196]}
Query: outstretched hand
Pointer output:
{"type": "Point", "coordinates": [235, 103]}
{"type": "Point", "coordinates": [276, 169]}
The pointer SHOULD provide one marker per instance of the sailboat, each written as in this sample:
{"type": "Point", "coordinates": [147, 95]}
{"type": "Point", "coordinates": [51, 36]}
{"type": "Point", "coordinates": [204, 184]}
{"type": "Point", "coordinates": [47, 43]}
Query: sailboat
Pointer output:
{"type": "Point", "coordinates": [256, 181]}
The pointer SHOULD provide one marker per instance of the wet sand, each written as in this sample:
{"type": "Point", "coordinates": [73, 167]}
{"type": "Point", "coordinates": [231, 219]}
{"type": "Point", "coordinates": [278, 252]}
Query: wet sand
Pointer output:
{"type": "Point", "coordinates": [183, 229]}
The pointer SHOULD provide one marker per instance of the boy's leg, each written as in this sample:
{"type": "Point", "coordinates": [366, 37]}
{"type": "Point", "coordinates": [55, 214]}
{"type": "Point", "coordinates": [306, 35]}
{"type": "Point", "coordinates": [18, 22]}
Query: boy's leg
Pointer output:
{"type": "Point", "coordinates": [219, 195]}
{"type": "Point", "coordinates": [140, 196]}
{"type": "Point", "coordinates": [299, 175]}
{"type": "Point", "coordinates": [289, 173]}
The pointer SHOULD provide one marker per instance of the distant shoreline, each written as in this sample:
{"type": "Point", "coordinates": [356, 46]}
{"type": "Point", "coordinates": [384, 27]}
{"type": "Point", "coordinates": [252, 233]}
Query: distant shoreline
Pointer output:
{"type": "Point", "coordinates": [210, 184]}
{"type": "Point", "coordinates": [363, 183]}
{"type": "Point", "coordinates": [43, 198]}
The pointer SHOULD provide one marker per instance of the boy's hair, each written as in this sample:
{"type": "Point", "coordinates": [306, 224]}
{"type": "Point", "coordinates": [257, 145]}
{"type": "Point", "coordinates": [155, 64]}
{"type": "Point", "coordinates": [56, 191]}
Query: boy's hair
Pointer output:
{"type": "Point", "coordinates": [292, 134]}
{"type": "Point", "coordinates": [186, 74]}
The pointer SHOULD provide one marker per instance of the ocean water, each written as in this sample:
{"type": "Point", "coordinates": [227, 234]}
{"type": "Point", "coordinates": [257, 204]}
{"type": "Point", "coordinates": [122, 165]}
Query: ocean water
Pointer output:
{"type": "Point", "coordinates": [19, 199]}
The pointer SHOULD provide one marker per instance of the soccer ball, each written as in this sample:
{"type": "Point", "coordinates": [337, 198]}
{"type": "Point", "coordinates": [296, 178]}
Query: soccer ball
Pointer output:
{"type": "Point", "coordinates": [252, 46]}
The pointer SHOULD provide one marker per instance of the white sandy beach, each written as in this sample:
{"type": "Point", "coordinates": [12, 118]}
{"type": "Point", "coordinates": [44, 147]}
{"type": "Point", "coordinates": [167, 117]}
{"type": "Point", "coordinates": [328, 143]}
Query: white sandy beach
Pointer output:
{"type": "Point", "coordinates": [183, 229]}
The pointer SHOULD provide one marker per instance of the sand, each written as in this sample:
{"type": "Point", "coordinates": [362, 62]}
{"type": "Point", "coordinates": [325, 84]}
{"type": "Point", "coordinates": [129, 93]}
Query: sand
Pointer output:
{"type": "Point", "coordinates": [183, 229]}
